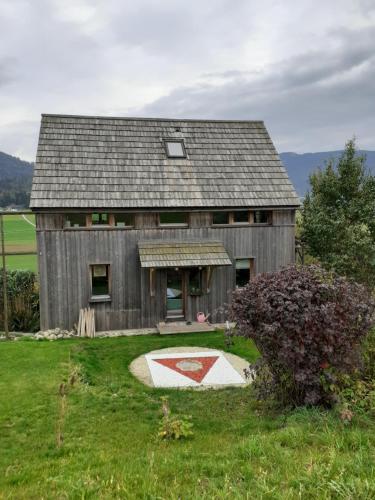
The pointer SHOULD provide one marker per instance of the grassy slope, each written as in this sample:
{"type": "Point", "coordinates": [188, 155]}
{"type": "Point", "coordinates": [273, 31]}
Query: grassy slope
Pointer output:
{"type": "Point", "coordinates": [20, 236]}
{"type": "Point", "coordinates": [110, 449]}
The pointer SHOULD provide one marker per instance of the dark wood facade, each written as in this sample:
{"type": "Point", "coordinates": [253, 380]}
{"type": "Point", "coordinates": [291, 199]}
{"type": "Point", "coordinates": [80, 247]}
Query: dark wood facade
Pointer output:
{"type": "Point", "coordinates": [66, 254]}
{"type": "Point", "coordinates": [219, 182]}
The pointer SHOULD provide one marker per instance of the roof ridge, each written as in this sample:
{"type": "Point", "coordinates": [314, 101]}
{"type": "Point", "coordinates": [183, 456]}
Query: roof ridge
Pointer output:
{"type": "Point", "coordinates": [139, 118]}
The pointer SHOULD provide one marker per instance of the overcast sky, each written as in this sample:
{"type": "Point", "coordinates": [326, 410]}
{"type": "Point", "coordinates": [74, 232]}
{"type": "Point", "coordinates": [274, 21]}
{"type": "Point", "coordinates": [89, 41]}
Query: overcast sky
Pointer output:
{"type": "Point", "coordinates": [306, 67]}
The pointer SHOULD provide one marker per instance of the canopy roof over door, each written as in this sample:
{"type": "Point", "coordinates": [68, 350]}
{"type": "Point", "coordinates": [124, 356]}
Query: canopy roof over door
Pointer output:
{"type": "Point", "coordinates": [162, 254]}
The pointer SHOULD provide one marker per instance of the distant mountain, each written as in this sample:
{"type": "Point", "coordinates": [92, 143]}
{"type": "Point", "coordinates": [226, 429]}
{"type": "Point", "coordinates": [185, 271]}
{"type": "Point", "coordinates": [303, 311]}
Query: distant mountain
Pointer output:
{"type": "Point", "coordinates": [300, 166]}
{"type": "Point", "coordinates": [15, 181]}
{"type": "Point", "coordinates": [16, 174]}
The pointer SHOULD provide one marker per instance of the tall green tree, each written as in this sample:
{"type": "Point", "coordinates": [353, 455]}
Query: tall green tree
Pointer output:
{"type": "Point", "coordinates": [338, 221]}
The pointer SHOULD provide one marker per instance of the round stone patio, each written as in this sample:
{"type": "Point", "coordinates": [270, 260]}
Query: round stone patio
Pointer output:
{"type": "Point", "coordinates": [190, 367]}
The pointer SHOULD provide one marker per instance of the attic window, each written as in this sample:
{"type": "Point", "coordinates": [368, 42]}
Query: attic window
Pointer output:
{"type": "Point", "coordinates": [262, 217]}
{"type": "Point", "coordinates": [241, 217]}
{"type": "Point", "coordinates": [100, 219]}
{"type": "Point", "coordinates": [173, 219]}
{"type": "Point", "coordinates": [124, 220]}
{"type": "Point", "coordinates": [175, 148]}
{"type": "Point", "coordinates": [75, 220]}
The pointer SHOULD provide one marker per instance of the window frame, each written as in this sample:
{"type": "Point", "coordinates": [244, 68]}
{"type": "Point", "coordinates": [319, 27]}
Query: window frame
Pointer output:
{"type": "Point", "coordinates": [180, 141]}
{"type": "Point", "coordinates": [200, 291]}
{"type": "Point", "coordinates": [130, 214]}
{"type": "Point", "coordinates": [250, 222]}
{"type": "Point", "coordinates": [240, 223]}
{"type": "Point", "coordinates": [220, 211]}
{"type": "Point", "coordinates": [90, 223]}
{"type": "Point", "coordinates": [103, 297]}
{"type": "Point", "coordinates": [174, 224]}
{"type": "Point", "coordinates": [269, 218]}
{"type": "Point", "coordinates": [66, 220]}
{"type": "Point", "coordinates": [251, 269]}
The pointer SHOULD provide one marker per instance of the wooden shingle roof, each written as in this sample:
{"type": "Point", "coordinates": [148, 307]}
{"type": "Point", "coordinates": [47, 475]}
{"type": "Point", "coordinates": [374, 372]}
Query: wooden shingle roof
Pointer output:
{"type": "Point", "coordinates": [182, 254]}
{"type": "Point", "coordinates": [96, 162]}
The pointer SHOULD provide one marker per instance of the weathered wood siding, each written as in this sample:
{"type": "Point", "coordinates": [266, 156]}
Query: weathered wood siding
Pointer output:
{"type": "Point", "coordinates": [65, 257]}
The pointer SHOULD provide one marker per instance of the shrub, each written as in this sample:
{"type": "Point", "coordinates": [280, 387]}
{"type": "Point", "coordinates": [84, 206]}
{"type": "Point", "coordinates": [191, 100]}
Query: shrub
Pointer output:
{"type": "Point", "coordinates": [23, 301]}
{"type": "Point", "coordinates": [356, 393]}
{"type": "Point", "coordinates": [368, 351]}
{"type": "Point", "coordinates": [308, 325]}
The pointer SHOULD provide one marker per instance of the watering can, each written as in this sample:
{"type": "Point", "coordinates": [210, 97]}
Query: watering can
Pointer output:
{"type": "Point", "coordinates": [201, 318]}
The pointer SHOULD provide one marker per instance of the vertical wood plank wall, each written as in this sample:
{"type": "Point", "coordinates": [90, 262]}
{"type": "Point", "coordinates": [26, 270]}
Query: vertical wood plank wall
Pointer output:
{"type": "Point", "coordinates": [65, 257]}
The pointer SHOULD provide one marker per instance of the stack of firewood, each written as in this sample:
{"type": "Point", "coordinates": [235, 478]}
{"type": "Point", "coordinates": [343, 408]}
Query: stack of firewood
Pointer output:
{"type": "Point", "coordinates": [86, 323]}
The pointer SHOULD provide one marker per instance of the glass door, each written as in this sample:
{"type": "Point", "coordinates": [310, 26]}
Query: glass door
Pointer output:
{"type": "Point", "coordinates": [175, 294]}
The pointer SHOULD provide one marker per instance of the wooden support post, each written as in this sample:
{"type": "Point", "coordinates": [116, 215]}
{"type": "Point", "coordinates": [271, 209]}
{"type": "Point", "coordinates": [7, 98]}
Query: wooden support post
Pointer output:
{"type": "Point", "coordinates": [5, 291]}
{"type": "Point", "coordinates": [209, 278]}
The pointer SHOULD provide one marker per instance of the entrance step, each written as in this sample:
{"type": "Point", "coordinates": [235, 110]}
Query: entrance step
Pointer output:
{"type": "Point", "coordinates": [175, 319]}
{"type": "Point", "coordinates": [171, 328]}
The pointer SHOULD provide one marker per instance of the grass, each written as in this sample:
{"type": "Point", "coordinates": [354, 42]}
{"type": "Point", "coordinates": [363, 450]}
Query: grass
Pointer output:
{"type": "Point", "coordinates": [24, 262]}
{"type": "Point", "coordinates": [20, 236]}
{"type": "Point", "coordinates": [110, 449]}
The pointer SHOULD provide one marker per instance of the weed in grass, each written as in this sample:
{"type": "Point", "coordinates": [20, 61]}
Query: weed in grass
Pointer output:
{"type": "Point", "coordinates": [73, 378]}
{"type": "Point", "coordinates": [172, 427]}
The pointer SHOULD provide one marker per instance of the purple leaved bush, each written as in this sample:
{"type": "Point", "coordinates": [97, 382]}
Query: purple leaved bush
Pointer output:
{"type": "Point", "coordinates": [308, 325]}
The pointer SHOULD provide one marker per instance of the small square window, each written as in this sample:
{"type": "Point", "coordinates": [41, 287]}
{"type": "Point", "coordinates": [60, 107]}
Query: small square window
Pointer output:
{"type": "Point", "coordinates": [173, 219]}
{"type": "Point", "coordinates": [124, 220]}
{"type": "Point", "coordinates": [100, 219]}
{"type": "Point", "coordinates": [241, 217]}
{"type": "Point", "coordinates": [100, 280]}
{"type": "Point", "coordinates": [175, 149]}
{"type": "Point", "coordinates": [220, 218]}
{"type": "Point", "coordinates": [75, 220]}
{"type": "Point", "coordinates": [244, 269]}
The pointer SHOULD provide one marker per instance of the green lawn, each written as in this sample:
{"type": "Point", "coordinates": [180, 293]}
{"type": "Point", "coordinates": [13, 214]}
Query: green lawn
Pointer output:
{"type": "Point", "coordinates": [18, 231]}
{"type": "Point", "coordinates": [27, 262]}
{"type": "Point", "coordinates": [20, 236]}
{"type": "Point", "coordinates": [110, 447]}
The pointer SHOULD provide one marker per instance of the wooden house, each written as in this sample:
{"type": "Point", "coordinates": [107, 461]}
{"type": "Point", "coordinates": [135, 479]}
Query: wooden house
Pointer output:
{"type": "Point", "coordinates": [148, 220]}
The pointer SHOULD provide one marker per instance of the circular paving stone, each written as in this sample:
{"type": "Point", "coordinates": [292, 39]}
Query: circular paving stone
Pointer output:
{"type": "Point", "coordinates": [190, 367]}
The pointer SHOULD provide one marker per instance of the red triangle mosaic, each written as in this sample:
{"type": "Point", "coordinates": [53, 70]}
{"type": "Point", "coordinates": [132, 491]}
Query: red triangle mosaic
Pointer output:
{"type": "Point", "coordinates": [181, 365]}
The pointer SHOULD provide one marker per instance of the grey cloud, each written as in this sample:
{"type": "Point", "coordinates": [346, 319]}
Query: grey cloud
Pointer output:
{"type": "Point", "coordinates": [182, 28]}
{"type": "Point", "coordinates": [307, 101]}
{"type": "Point", "coordinates": [10, 138]}
{"type": "Point", "coordinates": [367, 6]}
{"type": "Point", "coordinates": [354, 48]}
{"type": "Point", "coordinates": [7, 72]}
{"type": "Point", "coordinates": [95, 57]}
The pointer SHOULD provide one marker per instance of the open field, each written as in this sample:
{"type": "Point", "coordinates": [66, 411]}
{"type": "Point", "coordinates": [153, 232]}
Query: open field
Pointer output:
{"type": "Point", "coordinates": [20, 236]}
{"type": "Point", "coordinates": [110, 448]}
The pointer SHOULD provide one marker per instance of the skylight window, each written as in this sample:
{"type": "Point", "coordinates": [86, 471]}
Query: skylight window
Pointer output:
{"type": "Point", "coordinates": [175, 149]}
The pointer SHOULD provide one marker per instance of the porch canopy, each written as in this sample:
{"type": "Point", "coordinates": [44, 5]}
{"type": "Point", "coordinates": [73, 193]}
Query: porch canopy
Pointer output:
{"type": "Point", "coordinates": [157, 254]}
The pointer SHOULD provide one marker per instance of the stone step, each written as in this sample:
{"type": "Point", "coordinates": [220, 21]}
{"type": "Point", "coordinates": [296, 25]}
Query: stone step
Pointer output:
{"type": "Point", "coordinates": [171, 328]}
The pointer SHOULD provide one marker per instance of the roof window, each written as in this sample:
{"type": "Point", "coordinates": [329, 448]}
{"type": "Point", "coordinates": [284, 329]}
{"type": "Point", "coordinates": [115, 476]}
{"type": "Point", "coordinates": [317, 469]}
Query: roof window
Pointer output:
{"type": "Point", "coordinates": [175, 148]}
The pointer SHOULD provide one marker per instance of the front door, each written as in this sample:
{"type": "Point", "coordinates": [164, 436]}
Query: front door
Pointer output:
{"type": "Point", "coordinates": [175, 294]}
